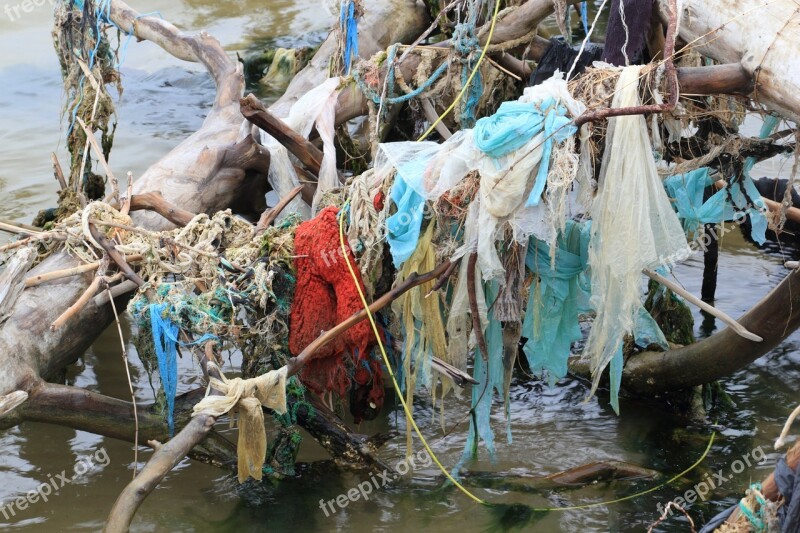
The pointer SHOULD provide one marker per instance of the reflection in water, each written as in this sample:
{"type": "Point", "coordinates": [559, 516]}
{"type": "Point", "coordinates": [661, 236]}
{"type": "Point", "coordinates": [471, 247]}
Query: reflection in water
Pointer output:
{"type": "Point", "coordinates": [553, 428]}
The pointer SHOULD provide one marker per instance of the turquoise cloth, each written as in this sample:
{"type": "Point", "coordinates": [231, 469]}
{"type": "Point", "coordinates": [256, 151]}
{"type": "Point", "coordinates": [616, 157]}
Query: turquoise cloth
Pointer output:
{"type": "Point", "coordinates": [490, 378]}
{"type": "Point", "coordinates": [551, 319]}
{"type": "Point", "coordinates": [554, 304]}
{"type": "Point", "coordinates": [687, 191]}
{"type": "Point", "coordinates": [515, 124]}
{"type": "Point", "coordinates": [404, 226]}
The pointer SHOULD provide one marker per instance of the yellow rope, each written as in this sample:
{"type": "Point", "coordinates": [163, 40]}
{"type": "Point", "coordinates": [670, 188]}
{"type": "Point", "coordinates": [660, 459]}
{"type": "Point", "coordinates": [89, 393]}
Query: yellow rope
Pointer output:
{"type": "Point", "coordinates": [471, 76]}
{"type": "Point", "coordinates": [425, 444]}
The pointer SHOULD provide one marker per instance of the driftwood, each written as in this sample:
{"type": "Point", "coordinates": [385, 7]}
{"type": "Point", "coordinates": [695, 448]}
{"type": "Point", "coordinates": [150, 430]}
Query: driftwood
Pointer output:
{"type": "Point", "coordinates": [578, 476]}
{"type": "Point", "coordinates": [12, 280]}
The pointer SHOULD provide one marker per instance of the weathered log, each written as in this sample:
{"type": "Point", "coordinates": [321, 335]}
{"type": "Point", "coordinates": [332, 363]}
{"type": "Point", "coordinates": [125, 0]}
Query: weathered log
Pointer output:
{"type": "Point", "coordinates": [12, 280]}
{"type": "Point", "coordinates": [773, 318]}
{"type": "Point", "coordinates": [578, 476]}
{"type": "Point", "coordinates": [760, 36]}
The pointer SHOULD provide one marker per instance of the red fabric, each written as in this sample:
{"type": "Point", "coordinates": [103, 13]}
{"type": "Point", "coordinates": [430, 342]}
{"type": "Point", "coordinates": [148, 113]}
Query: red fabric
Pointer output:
{"type": "Point", "coordinates": [326, 295]}
{"type": "Point", "coordinates": [378, 201]}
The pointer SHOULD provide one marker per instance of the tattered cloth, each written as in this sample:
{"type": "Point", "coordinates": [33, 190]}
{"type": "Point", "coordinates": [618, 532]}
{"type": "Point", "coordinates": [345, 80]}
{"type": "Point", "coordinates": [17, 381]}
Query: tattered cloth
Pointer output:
{"type": "Point", "coordinates": [247, 396]}
{"type": "Point", "coordinates": [560, 56]}
{"type": "Point", "coordinates": [325, 295]}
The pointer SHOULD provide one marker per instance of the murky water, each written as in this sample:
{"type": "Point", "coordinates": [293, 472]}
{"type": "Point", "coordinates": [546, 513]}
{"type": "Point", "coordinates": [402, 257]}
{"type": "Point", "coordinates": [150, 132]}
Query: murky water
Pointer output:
{"type": "Point", "coordinates": [553, 429]}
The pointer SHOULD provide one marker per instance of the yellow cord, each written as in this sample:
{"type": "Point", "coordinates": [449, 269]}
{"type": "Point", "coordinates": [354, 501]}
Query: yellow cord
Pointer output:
{"type": "Point", "coordinates": [471, 76]}
{"type": "Point", "coordinates": [410, 417]}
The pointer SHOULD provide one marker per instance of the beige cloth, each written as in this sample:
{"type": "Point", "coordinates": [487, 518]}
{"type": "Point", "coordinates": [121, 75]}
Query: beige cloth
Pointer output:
{"type": "Point", "coordinates": [247, 396]}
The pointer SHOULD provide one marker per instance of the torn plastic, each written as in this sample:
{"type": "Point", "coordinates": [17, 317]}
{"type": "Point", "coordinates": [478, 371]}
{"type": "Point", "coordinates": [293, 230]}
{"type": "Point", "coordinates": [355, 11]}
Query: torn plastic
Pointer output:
{"type": "Point", "coordinates": [316, 108]}
{"type": "Point", "coordinates": [430, 170]}
{"type": "Point", "coordinates": [739, 199]}
{"type": "Point", "coordinates": [634, 227]}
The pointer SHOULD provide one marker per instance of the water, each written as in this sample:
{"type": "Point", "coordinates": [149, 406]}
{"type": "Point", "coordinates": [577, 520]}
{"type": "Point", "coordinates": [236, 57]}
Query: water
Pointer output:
{"type": "Point", "coordinates": [553, 429]}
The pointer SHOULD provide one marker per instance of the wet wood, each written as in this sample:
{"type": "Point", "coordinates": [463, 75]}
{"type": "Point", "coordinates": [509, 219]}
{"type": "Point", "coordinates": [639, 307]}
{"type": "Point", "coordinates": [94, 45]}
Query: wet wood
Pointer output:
{"type": "Point", "coordinates": [477, 327]}
{"type": "Point", "coordinates": [578, 476]}
{"type": "Point", "coordinates": [774, 318]}
{"type": "Point", "coordinates": [254, 111]}
{"type": "Point", "coordinates": [12, 280]}
{"type": "Point", "coordinates": [154, 201]}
